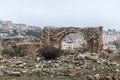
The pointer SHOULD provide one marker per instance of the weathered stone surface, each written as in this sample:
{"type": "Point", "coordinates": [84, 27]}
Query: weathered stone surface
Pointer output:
{"type": "Point", "coordinates": [1, 56]}
{"type": "Point", "coordinates": [89, 77]}
{"type": "Point", "coordinates": [25, 45]}
{"type": "Point", "coordinates": [52, 36]}
{"type": "Point", "coordinates": [109, 77]}
{"type": "Point", "coordinates": [1, 73]}
{"type": "Point", "coordinates": [14, 73]}
{"type": "Point", "coordinates": [97, 77]}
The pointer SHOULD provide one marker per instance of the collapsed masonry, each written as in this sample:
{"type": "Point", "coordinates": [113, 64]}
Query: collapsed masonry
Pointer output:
{"type": "Point", "coordinates": [28, 45]}
{"type": "Point", "coordinates": [52, 36]}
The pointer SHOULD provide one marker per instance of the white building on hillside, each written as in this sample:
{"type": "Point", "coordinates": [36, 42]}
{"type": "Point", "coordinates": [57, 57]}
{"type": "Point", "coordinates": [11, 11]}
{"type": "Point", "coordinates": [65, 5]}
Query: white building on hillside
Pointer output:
{"type": "Point", "coordinates": [73, 41]}
{"type": "Point", "coordinates": [109, 37]}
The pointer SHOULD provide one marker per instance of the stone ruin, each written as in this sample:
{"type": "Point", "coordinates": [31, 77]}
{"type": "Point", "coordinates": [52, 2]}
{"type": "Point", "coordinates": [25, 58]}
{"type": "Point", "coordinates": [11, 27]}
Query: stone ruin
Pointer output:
{"type": "Point", "coordinates": [52, 36]}
{"type": "Point", "coordinates": [27, 44]}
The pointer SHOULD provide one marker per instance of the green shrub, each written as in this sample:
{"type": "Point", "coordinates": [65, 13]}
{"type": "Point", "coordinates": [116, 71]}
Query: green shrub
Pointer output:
{"type": "Point", "coordinates": [6, 51]}
{"type": "Point", "coordinates": [109, 50]}
{"type": "Point", "coordinates": [50, 52]}
{"type": "Point", "coordinates": [98, 66]}
{"type": "Point", "coordinates": [18, 51]}
{"type": "Point", "coordinates": [14, 51]}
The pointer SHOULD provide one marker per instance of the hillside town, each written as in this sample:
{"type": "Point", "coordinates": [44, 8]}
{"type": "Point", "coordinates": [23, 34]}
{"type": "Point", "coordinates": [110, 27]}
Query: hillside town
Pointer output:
{"type": "Point", "coordinates": [9, 29]}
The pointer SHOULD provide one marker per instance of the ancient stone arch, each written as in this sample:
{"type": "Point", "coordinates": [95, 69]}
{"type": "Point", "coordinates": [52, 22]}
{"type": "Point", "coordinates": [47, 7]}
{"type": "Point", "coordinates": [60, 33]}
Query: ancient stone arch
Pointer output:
{"type": "Point", "coordinates": [52, 36]}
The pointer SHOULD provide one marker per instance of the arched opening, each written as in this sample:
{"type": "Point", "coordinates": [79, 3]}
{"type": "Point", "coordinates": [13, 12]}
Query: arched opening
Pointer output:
{"type": "Point", "coordinates": [53, 36]}
{"type": "Point", "coordinates": [74, 42]}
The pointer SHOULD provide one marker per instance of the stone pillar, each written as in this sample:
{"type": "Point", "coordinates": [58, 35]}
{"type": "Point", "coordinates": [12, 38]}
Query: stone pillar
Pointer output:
{"type": "Point", "coordinates": [100, 39]}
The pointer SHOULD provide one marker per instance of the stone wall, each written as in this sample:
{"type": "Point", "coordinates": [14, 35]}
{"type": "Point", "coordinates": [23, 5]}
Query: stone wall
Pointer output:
{"type": "Point", "coordinates": [52, 36]}
{"type": "Point", "coordinates": [27, 45]}
{"type": "Point", "coordinates": [8, 41]}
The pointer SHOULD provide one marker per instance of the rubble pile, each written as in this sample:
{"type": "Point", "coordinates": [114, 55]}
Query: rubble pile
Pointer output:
{"type": "Point", "coordinates": [27, 45]}
{"type": "Point", "coordinates": [10, 41]}
{"type": "Point", "coordinates": [85, 65]}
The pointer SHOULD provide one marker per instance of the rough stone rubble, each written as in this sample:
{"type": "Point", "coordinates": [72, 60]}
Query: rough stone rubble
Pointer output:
{"type": "Point", "coordinates": [74, 65]}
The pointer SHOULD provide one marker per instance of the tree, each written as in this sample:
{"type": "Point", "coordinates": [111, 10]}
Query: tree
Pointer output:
{"type": "Point", "coordinates": [36, 33]}
{"type": "Point", "coordinates": [15, 32]}
{"type": "Point", "coordinates": [117, 44]}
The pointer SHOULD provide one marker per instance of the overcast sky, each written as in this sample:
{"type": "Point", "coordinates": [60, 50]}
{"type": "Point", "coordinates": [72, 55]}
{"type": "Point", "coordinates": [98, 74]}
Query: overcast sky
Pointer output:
{"type": "Point", "coordinates": [62, 12]}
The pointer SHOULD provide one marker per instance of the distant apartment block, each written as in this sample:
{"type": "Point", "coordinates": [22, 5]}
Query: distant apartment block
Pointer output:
{"type": "Point", "coordinates": [109, 37]}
